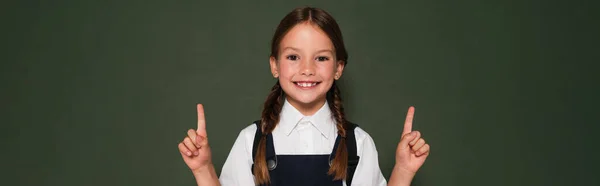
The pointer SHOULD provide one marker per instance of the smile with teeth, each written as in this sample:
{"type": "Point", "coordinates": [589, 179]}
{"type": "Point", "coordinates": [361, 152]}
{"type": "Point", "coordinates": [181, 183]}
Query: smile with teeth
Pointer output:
{"type": "Point", "coordinates": [306, 84]}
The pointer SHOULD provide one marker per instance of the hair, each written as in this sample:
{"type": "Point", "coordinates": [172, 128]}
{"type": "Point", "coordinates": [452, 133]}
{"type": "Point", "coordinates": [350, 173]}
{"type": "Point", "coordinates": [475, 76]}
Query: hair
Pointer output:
{"type": "Point", "coordinates": [274, 103]}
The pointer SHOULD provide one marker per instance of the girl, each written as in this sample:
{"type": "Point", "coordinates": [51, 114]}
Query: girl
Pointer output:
{"type": "Point", "coordinates": [303, 137]}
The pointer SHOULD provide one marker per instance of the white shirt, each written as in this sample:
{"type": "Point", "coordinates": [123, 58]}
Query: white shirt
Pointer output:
{"type": "Point", "coordinates": [301, 135]}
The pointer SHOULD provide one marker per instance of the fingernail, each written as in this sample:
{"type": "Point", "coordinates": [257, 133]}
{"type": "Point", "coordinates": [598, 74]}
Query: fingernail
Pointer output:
{"type": "Point", "coordinates": [196, 153]}
{"type": "Point", "coordinates": [189, 153]}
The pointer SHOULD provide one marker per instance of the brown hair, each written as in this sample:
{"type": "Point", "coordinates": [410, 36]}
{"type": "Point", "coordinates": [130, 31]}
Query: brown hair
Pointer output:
{"type": "Point", "coordinates": [274, 103]}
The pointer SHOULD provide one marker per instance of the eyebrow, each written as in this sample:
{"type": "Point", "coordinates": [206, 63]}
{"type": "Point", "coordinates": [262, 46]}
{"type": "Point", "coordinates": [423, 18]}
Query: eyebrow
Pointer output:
{"type": "Point", "coordinates": [297, 49]}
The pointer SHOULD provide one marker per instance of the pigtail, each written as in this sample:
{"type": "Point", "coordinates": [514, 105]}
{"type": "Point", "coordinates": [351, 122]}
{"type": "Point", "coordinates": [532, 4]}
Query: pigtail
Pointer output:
{"type": "Point", "coordinates": [270, 118]}
{"type": "Point", "coordinates": [340, 161]}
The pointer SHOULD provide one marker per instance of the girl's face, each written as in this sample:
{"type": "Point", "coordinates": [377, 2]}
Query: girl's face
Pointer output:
{"type": "Point", "coordinates": [306, 67]}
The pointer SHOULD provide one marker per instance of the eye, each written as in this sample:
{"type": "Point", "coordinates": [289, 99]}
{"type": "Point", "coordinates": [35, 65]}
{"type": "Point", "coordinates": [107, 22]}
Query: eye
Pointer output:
{"type": "Point", "coordinates": [292, 57]}
{"type": "Point", "coordinates": [322, 58]}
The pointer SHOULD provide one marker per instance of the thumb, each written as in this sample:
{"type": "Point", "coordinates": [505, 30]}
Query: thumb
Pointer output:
{"type": "Point", "coordinates": [202, 141]}
{"type": "Point", "coordinates": [407, 138]}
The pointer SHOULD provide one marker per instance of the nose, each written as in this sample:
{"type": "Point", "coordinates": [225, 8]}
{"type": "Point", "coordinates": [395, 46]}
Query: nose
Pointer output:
{"type": "Point", "coordinates": [307, 68]}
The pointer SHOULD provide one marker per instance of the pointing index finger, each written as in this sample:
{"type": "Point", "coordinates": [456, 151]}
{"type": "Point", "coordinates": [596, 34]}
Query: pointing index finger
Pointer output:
{"type": "Point", "coordinates": [409, 120]}
{"type": "Point", "coordinates": [201, 121]}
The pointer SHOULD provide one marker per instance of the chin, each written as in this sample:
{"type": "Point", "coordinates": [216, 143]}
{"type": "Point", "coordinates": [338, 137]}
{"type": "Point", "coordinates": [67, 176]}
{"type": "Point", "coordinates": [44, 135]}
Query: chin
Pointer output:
{"type": "Point", "coordinates": [305, 99]}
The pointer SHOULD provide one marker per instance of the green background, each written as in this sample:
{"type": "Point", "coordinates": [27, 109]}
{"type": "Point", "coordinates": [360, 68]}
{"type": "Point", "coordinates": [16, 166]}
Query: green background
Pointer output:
{"type": "Point", "coordinates": [100, 93]}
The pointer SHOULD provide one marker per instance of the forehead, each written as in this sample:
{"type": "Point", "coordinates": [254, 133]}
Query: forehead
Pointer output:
{"type": "Point", "coordinates": [306, 36]}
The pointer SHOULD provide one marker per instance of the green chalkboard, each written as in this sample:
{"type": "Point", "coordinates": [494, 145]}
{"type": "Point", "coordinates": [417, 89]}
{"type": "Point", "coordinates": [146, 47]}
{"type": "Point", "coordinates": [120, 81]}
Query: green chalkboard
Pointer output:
{"type": "Point", "coordinates": [101, 92]}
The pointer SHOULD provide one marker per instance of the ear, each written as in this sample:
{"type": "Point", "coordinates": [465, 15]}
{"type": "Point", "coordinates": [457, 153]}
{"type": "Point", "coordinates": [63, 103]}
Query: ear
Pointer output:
{"type": "Point", "coordinates": [339, 69]}
{"type": "Point", "coordinates": [274, 67]}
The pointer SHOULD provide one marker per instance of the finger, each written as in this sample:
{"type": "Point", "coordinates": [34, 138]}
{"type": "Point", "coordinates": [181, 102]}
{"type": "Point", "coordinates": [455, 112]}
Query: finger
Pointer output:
{"type": "Point", "coordinates": [190, 145]}
{"type": "Point", "coordinates": [201, 120]}
{"type": "Point", "coordinates": [184, 150]}
{"type": "Point", "coordinates": [418, 145]}
{"type": "Point", "coordinates": [412, 143]}
{"type": "Point", "coordinates": [406, 139]}
{"type": "Point", "coordinates": [409, 119]}
{"type": "Point", "coordinates": [201, 141]}
{"type": "Point", "coordinates": [423, 150]}
{"type": "Point", "coordinates": [192, 135]}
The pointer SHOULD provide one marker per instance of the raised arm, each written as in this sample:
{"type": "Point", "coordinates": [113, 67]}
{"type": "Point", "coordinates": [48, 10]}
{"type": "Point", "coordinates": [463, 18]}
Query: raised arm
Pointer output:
{"type": "Point", "coordinates": [410, 154]}
{"type": "Point", "coordinates": [196, 154]}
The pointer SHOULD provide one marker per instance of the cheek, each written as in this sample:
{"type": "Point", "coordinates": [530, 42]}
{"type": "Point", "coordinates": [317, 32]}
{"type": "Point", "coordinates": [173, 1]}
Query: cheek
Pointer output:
{"type": "Point", "coordinates": [327, 71]}
{"type": "Point", "coordinates": [285, 70]}
{"type": "Point", "coordinates": [287, 73]}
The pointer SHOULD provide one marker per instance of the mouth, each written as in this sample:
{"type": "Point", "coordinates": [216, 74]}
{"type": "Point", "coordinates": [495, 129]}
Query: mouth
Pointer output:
{"type": "Point", "coordinates": [306, 84]}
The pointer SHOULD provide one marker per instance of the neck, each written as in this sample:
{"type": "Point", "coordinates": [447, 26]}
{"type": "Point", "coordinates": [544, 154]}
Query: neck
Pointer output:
{"type": "Point", "coordinates": [307, 109]}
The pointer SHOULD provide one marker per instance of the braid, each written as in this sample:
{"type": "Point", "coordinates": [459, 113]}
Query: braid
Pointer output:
{"type": "Point", "coordinates": [270, 118]}
{"type": "Point", "coordinates": [340, 161]}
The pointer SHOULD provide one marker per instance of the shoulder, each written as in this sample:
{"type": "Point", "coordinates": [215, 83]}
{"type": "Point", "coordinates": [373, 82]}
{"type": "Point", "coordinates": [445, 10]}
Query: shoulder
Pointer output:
{"type": "Point", "coordinates": [250, 129]}
{"type": "Point", "coordinates": [361, 134]}
{"type": "Point", "coordinates": [243, 143]}
{"type": "Point", "coordinates": [236, 169]}
{"type": "Point", "coordinates": [248, 132]}
{"type": "Point", "coordinates": [364, 141]}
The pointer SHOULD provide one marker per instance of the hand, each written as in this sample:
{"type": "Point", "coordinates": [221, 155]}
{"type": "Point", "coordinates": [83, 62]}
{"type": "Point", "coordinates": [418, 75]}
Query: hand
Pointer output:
{"type": "Point", "coordinates": [194, 148]}
{"type": "Point", "coordinates": [412, 149]}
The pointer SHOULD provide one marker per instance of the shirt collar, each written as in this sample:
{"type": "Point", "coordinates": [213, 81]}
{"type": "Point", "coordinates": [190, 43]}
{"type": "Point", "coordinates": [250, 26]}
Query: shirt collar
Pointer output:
{"type": "Point", "coordinates": [290, 117]}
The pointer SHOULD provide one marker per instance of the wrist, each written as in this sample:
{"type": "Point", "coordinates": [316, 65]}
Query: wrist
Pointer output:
{"type": "Point", "coordinates": [208, 168]}
{"type": "Point", "coordinates": [206, 176]}
{"type": "Point", "coordinates": [401, 177]}
{"type": "Point", "coordinates": [403, 171]}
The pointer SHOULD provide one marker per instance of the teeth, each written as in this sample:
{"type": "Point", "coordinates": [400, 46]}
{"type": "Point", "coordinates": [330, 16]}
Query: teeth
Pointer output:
{"type": "Point", "coordinates": [306, 84]}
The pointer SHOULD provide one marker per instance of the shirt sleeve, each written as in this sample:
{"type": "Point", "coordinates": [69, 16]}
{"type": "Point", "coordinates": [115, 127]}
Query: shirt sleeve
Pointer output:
{"type": "Point", "coordinates": [236, 170]}
{"type": "Point", "coordinates": [367, 172]}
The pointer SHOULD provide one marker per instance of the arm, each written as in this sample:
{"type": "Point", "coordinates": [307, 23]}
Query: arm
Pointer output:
{"type": "Point", "coordinates": [196, 153]}
{"type": "Point", "coordinates": [236, 169]}
{"type": "Point", "coordinates": [368, 171]}
{"type": "Point", "coordinates": [207, 176]}
{"type": "Point", "coordinates": [400, 177]}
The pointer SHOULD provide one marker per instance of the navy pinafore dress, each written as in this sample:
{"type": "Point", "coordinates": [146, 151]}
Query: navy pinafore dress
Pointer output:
{"type": "Point", "coordinates": [306, 170]}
